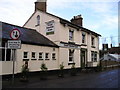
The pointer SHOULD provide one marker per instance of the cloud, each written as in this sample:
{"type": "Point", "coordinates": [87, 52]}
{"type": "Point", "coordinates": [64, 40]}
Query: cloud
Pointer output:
{"type": "Point", "coordinates": [16, 11]}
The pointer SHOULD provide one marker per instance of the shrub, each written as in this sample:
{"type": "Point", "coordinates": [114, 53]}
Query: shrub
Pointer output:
{"type": "Point", "coordinates": [61, 74]}
{"type": "Point", "coordinates": [43, 67]}
{"type": "Point", "coordinates": [43, 75]}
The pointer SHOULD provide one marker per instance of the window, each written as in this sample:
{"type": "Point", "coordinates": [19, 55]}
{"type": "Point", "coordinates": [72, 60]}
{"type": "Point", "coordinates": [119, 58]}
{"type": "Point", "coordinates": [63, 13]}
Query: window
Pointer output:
{"type": "Point", "coordinates": [25, 55]}
{"type": "Point", "coordinates": [40, 56]}
{"type": "Point", "coordinates": [71, 35]}
{"type": "Point", "coordinates": [38, 20]}
{"type": "Point", "coordinates": [92, 41]}
{"type": "Point", "coordinates": [83, 37]}
{"type": "Point", "coordinates": [71, 55]}
{"type": "Point", "coordinates": [94, 56]}
{"type": "Point", "coordinates": [6, 54]}
{"type": "Point", "coordinates": [46, 56]}
{"type": "Point", "coordinates": [33, 56]}
{"type": "Point", "coordinates": [53, 56]}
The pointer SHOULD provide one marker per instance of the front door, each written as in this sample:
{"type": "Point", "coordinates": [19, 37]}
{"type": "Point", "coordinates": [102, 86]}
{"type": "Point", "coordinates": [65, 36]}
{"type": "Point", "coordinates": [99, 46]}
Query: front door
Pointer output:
{"type": "Point", "coordinates": [83, 59]}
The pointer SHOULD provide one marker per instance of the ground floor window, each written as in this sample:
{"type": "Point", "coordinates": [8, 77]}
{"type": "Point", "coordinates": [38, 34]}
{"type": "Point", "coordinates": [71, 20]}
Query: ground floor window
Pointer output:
{"type": "Point", "coordinates": [94, 56]}
{"type": "Point", "coordinates": [6, 54]}
{"type": "Point", "coordinates": [46, 56]}
{"type": "Point", "coordinates": [53, 56]}
{"type": "Point", "coordinates": [33, 56]}
{"type": "Point", "coordinates": [41, 56]}
{"type": "Point", "coordinates": [25, 55]}
{"type": "Point", "coordinates": [71, 55]}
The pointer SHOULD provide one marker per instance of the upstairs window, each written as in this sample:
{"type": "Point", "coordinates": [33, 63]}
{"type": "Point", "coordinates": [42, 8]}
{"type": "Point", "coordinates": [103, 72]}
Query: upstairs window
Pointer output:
{"type": "Point", "coordinates": [38, 20]}
{"type": "Point", "coordinates": [83, 37]}
{"type": "Point", "coordinates": [92, 41]}
{"type": "Point", "coordinates": [71, 35]}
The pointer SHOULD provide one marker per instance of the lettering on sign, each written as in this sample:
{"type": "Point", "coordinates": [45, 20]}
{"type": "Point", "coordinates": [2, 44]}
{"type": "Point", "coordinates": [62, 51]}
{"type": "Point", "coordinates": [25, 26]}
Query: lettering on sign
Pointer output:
{"type": "Point", "coordinates": [50, 27]}
{"type": "Point", "coordinates": [14, 44]}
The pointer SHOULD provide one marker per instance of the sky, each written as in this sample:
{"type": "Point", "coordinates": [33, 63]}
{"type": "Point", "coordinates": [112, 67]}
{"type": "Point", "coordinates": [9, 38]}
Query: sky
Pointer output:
{"type": "Point", "coordinates": [100, 16]}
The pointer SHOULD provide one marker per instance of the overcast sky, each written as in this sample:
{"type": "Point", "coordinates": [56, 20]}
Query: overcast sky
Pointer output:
{"type": "Point", "coordinates": [100, 16]}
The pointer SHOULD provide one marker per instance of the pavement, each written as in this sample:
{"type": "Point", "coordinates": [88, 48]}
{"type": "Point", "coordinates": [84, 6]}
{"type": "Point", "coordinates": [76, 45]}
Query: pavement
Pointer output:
{"type": "Point", "coordinates": [105, 79]}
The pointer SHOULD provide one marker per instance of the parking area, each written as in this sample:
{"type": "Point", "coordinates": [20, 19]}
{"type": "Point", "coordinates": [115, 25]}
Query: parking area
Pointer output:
{"type": "Point", "coordinates": [105, 79]}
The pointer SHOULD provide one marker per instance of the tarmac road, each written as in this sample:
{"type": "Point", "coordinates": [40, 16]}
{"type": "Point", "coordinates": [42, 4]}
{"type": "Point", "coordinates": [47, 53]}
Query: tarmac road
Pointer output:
{"type": "Point", "coordinates": [105, 79]}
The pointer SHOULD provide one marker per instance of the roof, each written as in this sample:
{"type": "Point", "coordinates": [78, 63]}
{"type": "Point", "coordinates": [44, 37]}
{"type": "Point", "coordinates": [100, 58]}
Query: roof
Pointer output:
{"type": "Point", "coordinates": [113, 57]}
{"type": "Point", "coordinates": [28, 36]}
{"type": "Point", "coordinates": [64, 21]}
{"type": "Point", "coordinates": [114, 50]}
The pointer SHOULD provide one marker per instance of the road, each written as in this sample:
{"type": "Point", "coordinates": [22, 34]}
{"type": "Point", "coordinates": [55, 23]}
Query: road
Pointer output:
{"type": "Point", "coordinates": [105, 79]}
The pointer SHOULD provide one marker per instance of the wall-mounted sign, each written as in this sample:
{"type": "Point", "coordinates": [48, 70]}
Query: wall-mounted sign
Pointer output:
{"type": "Point", "coordinates": [50, 27]}
{"type": "Point", "coordinates": [14, 44]}
{"type": "Point", "coordinates": [69, 46]}
{"type": "Point", "coordinates": [15, 34]}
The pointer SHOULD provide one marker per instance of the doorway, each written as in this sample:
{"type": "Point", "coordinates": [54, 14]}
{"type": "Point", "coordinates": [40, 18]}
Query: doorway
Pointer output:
{"type": "Point", "coordinates": [83, 58]}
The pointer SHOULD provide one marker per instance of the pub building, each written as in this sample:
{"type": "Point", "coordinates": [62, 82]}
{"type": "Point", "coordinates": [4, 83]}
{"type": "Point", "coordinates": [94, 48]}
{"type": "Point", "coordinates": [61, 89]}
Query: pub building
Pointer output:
{"type": "Point", "coordinates": [53, 40]}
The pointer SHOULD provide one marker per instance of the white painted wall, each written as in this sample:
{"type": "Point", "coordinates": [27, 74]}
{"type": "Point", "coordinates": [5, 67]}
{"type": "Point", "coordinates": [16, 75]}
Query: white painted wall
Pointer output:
{"type": "Point", "coordinates": [34, 65]}
{"type": "Point", "coordinates": [62, 34]}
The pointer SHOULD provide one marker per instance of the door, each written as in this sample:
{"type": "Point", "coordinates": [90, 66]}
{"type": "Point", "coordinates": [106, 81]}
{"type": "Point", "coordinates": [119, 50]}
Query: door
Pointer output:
{"type": "Point", "coordinates": [83, 59]}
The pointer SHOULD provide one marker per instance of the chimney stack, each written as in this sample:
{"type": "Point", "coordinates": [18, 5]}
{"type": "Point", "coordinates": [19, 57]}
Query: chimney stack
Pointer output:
{"type": "Point", "coordinates": [111, 45]}
{"type": "Point", "coordinates": [78, 20]}
{"type": "Point", "coordinates": [41, 5]}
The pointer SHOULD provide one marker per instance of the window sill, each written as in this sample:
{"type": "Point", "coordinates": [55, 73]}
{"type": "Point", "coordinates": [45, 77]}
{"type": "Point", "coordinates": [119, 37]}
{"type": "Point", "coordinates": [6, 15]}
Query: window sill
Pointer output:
{"type": "Point", "coordinates": [40, 59]}
{"type": "Point", "coordinates": [37, 25]}
{"type": "Point", "coordinates": [83, 45]}
{"type": "Point", "coordinates": [71, 42]}
{"type": "Point", "coordinates": [93, 46]}
{"type": "Point", "coordinates": [25, 59]}
{"type": "Point", "coordinates": [71, 63]}
{"type": "Point", "coordinates": [33, 59]}
{"type": "Point", "coordinates": [47, 59]}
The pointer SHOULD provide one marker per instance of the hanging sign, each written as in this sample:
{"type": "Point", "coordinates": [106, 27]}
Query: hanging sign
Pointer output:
{"type": "Point", "coordinates": [50, 27]}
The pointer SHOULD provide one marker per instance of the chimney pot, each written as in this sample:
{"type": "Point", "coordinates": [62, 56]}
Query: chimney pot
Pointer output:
{"type": "Point", "coordinates": [78, 20]}
{"type": "Point", "coordinates": [41, 5]}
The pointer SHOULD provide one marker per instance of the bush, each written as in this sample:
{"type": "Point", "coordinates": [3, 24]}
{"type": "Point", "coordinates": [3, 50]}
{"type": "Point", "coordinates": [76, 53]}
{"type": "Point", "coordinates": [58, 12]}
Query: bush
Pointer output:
{"type": "Point", "coordinates": [43, 67]}
{"type": "Point", "coordinates": [44, 71]}
{"type": "Point", "coordinates": [24, 72]}
{"type": "Point", "coordinates": [61, 74]}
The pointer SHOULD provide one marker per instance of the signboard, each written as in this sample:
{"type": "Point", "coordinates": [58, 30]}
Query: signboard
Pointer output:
{"type": "Point", "coordinates": [14, 44]}
{"type": "Point", "coordinates": [15, 34]}
{"type": "Point", "coordinates": [50, 27]}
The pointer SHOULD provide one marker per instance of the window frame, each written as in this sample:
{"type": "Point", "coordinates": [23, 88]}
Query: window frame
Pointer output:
{"type": "Point", "coordinates": [42, 54]}
{"type": "Point", "coordinates": [38, 20]}
{"type": "Point", "coordinates": [26, 59]}
{"type": "Point", "coordinates": [83, 38]}
{"type": "Point", "coordinates": [71, 35]}
{"type": "Point", "coordinates": [54, 58]}
{"type": "Point", "coordinates": [92, 41]}
{"type": "Point", "coordinates": [71, 55]}
{"type": "Point", "coordinates": [48, 58]}
{"type": "Point", "coordinates": [35, 57]}
{"type": "Point", "coordinates": [4, 55]}
{"type": "Point", "coordinates": [94, 56]}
